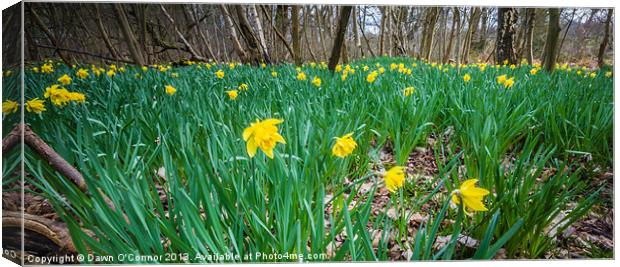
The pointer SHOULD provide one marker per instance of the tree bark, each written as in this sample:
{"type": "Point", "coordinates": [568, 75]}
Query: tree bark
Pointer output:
{"type": "Point", "coordinates": [190, 48]}
{"type": "Point", "coordinates": [553, 32]}
{"type": "Point", "coordinates": [104, 33]}
{"type": "Point", "coordinates": [295, 35]}
{"type": "Point", "coordinates": [256, 57]}
{"type": "Point", "coordinates": [603, 46]}
{"type": "Point", "coordinates": [504, 44]}
{"type": "Point", "coordinates": [384, 18]}
{"type": "Point", "coordinates": [455, 19]}
{"type": "Point", "coordinates": [279, 34]}
{"type": "Point", "coordinates": [259, 31]}
{"type": "Point", "coordinates": [233, 34]}
{"type": "Point", "coordinates": [343, 22]}
{"type": "Point", "coordinates": [474, 19]}
{"type": "Point", "coordinates": [49, 35]}
{"type": "Point", "coordinates": [429, 33]}
{"type": "Point", "coordinates": [130, 38]}
{"type": "Point", "coordinates": [530, 15]}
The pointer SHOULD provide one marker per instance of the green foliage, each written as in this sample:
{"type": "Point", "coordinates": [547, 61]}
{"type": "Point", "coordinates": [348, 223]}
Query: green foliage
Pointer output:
{"type": "Point", "coordinates": [218, 200]}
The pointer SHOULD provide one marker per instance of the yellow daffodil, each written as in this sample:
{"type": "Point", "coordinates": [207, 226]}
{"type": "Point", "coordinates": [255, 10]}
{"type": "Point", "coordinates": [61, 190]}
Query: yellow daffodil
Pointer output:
{"type": "Point", "coordinates": [219, 74]}
{"type": "Point", "coordinates": [264, 135]}
{"type": "Point", "coordinates": [534, 71]}
{"type": "Point", "coordinates": [65, 79]}
{"type": "Point", "coordinates": [409, 91]}
{"type": "Point", "coordinates": [263, 65]}
{"type": "Point", "coordinates": [470, 195]}
{"type": "Point", "coordinates": [372, 77]}
{"type": "Point", "coordinates": [47, 68]}
{"type": "Point", "coordinates": [508, 83]}
{"type": "Point", "coordinates": [274, 74]}
{"type": "Point", "coordinates": [9, 106]}
{"type": "Point", "coordinates": [316, 81]}
{"type": "Point", "coordinates": [82, 73]}
{"type": "Point", "coordinates": [145, 68]}
{"type": "Point", "coordinates": [301, 76]}
{"type": "Point", "coordinates": [501, 79]}
{"type": "Point", "coordinates": [232, 94]}
{"type": "Point", "coordinates": [344, 146]}
{"type": "Point", "coordinates": [592, 74]}
{"type": "Point", "coordinates": [35, 105]}
{"type": "Point", "coordinates": [58, 96]}
{"type": "Point", "coordinates": [608, 74]}
{"type": "Point", "coordinates": [110, 73]}
{"type": "Point", "coordinates": [394, 178]}
{"type": "Point", "coordinates": [243, 87]}
{"type": "Point", "coordinates": [466, 78]}
{"type": "Point", "coordinates": [170, 90]}
{"type": "Point", "coordinates": [381, 70]}
{"type": "Point", "coordinates": [77, 97]}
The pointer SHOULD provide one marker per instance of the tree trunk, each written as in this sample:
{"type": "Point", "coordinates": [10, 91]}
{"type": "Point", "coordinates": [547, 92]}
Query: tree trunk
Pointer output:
{"type": "Point", "coordinates": [603, 47]}
{"type": "Point", "coordinates": [49, 35]}
{"type": "Point", "coordinates": [104, 33]}
{"type": "Point", "coordinates": [384, 18]}
{"type": "Point", "coordinates": [504, 44]}
{"type": "Point", "coordinates": [359, 52]}
{"type": "Point", "coordinates": [295, 35]}
{"type": "Point", "coordinates": [306, 30]}
{"type": "Point", "coordinates": [233, 34]}
{"type": "Point", "coordinates": [455, 18]}
{"type": "Point", "coordinates": [190, 48]}
{"type": "Point", "coordinates": [343, 22]}
{"type": "Point", "coordinates": [201, 34]}
{"type": "Point", "coordinates": [279, 34]}
{"type": "Point", "coordinates": [256, 55]}
{"type": "Point", "coordinates": [459, 23]}
{"type": "Point", "coordinates": [130, 38]}
{"type": "Point", "coordinates": [429, 33]}
{"type": "Point", "coordinates": [259, 31]}
{"type": "Point", "coordinates": [474, 19]}
{"type": "Point", "coordinates": [321, 36]}
{"type": "Point", "coordinates": [530, 18]}
{"type": "Point", "coordinates": [281, 26]}
{"type": "Point", "coordinates": [553, 32]}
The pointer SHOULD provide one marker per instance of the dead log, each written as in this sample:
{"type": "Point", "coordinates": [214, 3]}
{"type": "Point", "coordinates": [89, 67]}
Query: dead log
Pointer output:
{"type": "Point", "coordinates": [41, 236]}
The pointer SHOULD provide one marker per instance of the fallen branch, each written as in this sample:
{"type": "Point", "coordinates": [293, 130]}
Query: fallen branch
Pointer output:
{"type": "Point", "coordinates": [45, 151]}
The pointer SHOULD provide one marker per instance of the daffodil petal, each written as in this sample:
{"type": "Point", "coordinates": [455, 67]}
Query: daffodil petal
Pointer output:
{"type": "Point", "coordinates": [251, 147]}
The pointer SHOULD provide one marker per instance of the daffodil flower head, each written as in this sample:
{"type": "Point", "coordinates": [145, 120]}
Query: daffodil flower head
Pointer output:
{"type": "Point", "coordinates": [264, 135]}
{"type": "Point", "coordinates": [35, 105]}
{"type": "Point", "coordinates": [232, 94]}
{"type": "Point", "coordinates": [394, 178]}
{"type": "Point", "coordinates": [466, 78]}
{"type": "Point", "coordinates": [470, 195]}
{"type": "Point", "coordinates": [65, 79]}
{"type": "Point", "coordinates": [170, 90]}
{"type": "Point", "coordinates": [9, 106]}
{"type": "Point", "coordinates": [344, 146]}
